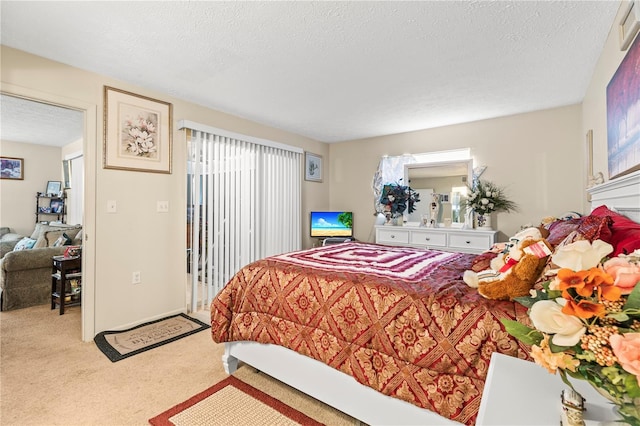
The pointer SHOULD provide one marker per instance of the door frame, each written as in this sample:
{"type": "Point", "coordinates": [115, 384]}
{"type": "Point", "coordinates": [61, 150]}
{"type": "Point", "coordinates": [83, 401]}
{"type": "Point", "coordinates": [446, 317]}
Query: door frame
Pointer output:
{"type": "Point", "coordinates": [89, 195]}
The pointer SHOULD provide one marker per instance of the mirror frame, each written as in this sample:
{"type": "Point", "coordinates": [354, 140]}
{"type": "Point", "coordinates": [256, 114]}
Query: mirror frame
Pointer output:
{"type": "Point", "coordinates": [468, 163]}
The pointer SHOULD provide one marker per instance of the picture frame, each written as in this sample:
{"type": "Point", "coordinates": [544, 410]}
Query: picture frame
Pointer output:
{"type": "Point", "coordinates": [629, 24]}
{"type": "Point", "coordinates": [56, 206]}
{"type": "Point", "coordinates": [623, 96]}
{"type": "Point", "coordinates": [66, 173]}
{"type": "Point", "coordinates": [312, 167]}
{"type": "Point", "coordinates": [11, 168]}
{"type": "Point", "coordinates": [54, 187]}
{"type": "Point", "coordinates": [138, 132]}
{"type": "Point", "coordinates": [598, 178]}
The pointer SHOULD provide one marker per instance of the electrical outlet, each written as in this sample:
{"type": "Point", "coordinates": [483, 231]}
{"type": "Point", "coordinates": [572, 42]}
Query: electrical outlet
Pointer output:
{"type": "Point", "coordinates": [162, 206]}
{"type": "Point", "coordinates": [111, 206]}
{"type": "Point", "coordinates": [135, 278]}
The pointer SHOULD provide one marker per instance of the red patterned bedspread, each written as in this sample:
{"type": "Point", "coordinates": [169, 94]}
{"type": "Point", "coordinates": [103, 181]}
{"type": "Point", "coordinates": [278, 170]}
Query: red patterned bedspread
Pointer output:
{"type": "Point", "coordinates": [399, 320]}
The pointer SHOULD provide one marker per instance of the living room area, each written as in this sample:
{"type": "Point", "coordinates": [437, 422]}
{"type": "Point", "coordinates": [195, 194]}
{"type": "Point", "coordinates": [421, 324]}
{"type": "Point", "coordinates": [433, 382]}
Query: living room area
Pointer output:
{"type": "Point", "coordinates": [42, 198]}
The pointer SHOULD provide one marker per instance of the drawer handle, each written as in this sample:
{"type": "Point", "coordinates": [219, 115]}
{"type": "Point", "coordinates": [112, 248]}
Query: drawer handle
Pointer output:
{"type": "Point", "coordinates": [468, 242]}
{"type": "Point", "coordinates": [393, 236]}
{"type": "Point", "coordinates": [427, 239]}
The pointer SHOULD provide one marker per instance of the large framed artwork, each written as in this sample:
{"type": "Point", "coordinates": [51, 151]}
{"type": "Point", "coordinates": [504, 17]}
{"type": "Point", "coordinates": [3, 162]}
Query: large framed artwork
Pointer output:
{"type": "Point", "coordinates": [11, 168]}
{"type": "Point", "coordinates": [137, 132]}
{"type": "Point", "coordinates": [623, 115]}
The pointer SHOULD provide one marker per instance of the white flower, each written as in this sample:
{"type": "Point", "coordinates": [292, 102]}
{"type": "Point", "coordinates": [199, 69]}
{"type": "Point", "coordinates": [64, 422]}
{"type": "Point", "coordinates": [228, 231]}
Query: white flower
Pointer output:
{"type": "Point", "coordinates": [581, 255]}
{"type": "Point", "coordinates": [484, 201]}
{"type": "Point", "coordinates": [547, 316]}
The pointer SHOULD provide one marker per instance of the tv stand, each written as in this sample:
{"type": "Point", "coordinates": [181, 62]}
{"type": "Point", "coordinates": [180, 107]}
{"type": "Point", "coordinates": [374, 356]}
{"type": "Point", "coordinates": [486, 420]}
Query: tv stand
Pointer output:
{"type": "Point", "coordinates": [336, 240]}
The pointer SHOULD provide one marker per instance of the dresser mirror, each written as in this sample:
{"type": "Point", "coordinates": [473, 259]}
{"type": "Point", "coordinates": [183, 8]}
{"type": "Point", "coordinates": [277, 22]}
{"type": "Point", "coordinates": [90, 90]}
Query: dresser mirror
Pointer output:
{"type": "Point", "coordinates": [449, 181]}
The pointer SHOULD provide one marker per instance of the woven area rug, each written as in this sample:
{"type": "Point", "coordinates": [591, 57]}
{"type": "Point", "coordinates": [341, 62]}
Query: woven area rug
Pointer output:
{"type": "Point", "coordinates": [232, 402]}
{"type": "Point", "coordinates": [121, 344]}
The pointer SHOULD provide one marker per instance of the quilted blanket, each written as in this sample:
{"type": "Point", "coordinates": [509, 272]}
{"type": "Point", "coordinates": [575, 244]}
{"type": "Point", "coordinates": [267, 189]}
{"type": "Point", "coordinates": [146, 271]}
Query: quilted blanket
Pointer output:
{"type": "Point", "coordinates": [397, 319]}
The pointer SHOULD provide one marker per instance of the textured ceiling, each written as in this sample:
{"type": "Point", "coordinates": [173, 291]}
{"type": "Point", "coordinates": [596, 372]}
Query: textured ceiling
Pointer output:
{"type": "Point", "coordinates": [23, 120]}
{"type": "Point", "coordinates": [331, 71]}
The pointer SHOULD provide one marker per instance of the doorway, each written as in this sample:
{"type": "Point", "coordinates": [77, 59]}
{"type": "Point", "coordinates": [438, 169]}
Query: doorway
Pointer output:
{"type": "Point", "coordinates": [87, 113]}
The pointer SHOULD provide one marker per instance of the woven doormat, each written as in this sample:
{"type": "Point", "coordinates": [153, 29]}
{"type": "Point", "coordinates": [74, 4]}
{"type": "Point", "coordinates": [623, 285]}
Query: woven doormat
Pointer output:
{"type": "Point", "coordinates": [121, 344]}
{"type": "Point", "coordinates": [232, 402]}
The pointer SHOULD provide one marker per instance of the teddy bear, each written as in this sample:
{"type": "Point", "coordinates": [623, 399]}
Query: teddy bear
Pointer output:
{"type": "Point", "coordinates": [493, 262]}
{"type": "Point", "coordinates": [515, 270]}
{"type": "Point", "coordinates": [520, 278]}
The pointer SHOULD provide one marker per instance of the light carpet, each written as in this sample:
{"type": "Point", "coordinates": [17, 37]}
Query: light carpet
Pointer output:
{"type": "Point", "coordinates": [232, 402]}
{"type": "Point", "coordinates": [121, 344]}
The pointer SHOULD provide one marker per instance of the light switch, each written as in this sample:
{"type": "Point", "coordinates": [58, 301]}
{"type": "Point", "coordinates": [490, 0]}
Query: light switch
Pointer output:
{"type": "Point", "coordinates": [111, 206]}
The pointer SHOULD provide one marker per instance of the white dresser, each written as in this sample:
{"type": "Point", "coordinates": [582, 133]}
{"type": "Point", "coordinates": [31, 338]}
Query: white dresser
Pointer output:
{"type": "Point", "coordinates": [447, 239]}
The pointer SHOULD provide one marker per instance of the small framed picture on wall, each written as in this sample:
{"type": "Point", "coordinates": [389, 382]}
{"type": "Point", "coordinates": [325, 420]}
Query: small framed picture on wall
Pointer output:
{"type": "Point", "coordinates": [11, 168]}
{"type": "Point", "coordinates": [312, 167]}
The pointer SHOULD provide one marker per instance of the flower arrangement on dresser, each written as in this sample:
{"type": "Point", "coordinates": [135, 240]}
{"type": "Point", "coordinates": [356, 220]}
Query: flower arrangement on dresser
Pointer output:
{"type": "Point", "coordinates": [485, 198]}
{"type": "Point", "coordinates": [586, 322]}
{"type": "Point", "coordinates": [396, 198]}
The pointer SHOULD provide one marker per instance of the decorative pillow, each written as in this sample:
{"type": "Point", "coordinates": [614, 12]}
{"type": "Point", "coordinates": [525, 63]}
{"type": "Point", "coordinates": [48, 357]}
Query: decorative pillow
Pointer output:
{"type": "Point", "coordinates": [596, 228]}
{"type": "Point", "coordinates": [25, 244]}
{"type": "Point", "coordinates": [559, 230]}
{"type": "Point", "coordinates": [482, 261]}
{"type": "Point", "coordinates": [52, 236]}
{"type": "Point", "coordinates": [625, 233]}
{"type": "Point", "coordinates": [63, 240]}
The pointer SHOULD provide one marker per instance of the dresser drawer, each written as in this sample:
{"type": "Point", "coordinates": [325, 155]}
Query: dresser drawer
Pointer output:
{"type": "Point", "coordinates": [392, 236]}
{"type": "Point", "coordinates": [430, 239]}
{"type": "Point", "coordinates": [469, 241]}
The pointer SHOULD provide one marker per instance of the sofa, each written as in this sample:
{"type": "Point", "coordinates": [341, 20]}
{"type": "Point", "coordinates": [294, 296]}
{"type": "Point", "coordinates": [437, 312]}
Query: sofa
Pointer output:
{"type": "Point", "coordinates": [26, 264]}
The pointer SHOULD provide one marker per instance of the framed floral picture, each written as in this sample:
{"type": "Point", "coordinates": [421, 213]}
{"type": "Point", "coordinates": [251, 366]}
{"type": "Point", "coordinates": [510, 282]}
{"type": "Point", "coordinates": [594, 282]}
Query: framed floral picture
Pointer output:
{"type": "Point", "coordinates": [312, 167]}
{"type": "Point", "coordinates": [11, 168]}
{"type": "Point", "coordinates": [137, 132]}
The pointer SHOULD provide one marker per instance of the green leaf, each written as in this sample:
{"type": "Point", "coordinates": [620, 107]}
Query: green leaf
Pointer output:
{"type": "Point", "coordinates": [521, 332]}
{"type": "Point", "coordinates": [631, 385]}
{"type": "Point", "coordinates": [618, 316]}
{"type": "Point", "coordinates": [633, 301]}
{"type": "Point", "coordinates": [528, 301]}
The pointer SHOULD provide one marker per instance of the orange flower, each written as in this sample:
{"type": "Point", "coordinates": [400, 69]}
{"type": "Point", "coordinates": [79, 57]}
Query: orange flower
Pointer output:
{"type": "Point", "coordinates": [576, 280]}
{"type": "Point", "coordinates": [583, 309]}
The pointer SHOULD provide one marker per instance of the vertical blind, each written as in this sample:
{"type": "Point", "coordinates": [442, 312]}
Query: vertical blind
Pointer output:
{"type": "Point", "coordinates": [243, 205]}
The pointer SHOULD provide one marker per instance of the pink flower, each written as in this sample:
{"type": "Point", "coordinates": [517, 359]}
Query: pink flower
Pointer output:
{"type": "Point", "coordinates": [625, 274]}
{"type": "Point", "coordinates": [626, 347]}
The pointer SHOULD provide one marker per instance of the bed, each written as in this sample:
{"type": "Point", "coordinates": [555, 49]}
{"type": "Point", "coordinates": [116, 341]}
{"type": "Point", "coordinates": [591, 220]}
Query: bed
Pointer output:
{"type": "Point", "coordinates": [420, 354]}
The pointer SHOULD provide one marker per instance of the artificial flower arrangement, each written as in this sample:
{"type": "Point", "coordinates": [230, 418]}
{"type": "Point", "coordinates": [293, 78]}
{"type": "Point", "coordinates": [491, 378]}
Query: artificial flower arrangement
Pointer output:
{"type": "Point", "coordinates": [586, 322]}
{"type": "Point", "coordinates": [485, 197]}
{"type": "Point", "coordinates": [396, 198]}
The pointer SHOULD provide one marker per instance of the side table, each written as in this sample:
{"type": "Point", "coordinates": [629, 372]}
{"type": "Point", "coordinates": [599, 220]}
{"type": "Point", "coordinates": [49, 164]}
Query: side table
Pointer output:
{"type": "Point", "coordinates": [66, 282]}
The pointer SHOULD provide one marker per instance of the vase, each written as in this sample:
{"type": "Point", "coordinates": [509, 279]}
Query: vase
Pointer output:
{"type": "Point", "coordinates": [626, 409]}
{"type": "Point", "coordinates": [484, 221]}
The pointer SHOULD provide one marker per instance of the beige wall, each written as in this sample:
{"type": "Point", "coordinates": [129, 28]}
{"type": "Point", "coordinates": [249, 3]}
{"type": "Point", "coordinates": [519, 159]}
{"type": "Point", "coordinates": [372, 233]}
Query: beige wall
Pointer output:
{"type": "Point", "coordinates": [136, 238]}
{"type": "Point", "coordinates": [535, 156]}
{"type": "Point", "coordinates": [18, 197]}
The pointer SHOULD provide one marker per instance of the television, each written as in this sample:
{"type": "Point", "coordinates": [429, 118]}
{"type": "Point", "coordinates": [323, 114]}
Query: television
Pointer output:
{"type": "Point", "coordinates": [328, 224]}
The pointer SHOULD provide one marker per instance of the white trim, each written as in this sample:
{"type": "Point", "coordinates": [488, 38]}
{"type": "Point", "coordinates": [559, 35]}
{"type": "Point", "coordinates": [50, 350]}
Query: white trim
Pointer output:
{"type": "Point", "coordinates": [187, 124]}
{"type": "Point", "coordinates": [73, 155]}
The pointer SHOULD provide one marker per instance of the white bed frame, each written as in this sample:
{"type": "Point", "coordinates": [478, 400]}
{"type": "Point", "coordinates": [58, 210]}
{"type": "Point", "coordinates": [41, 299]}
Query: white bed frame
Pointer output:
{"type": "Point", "coordinates": [343, 392]}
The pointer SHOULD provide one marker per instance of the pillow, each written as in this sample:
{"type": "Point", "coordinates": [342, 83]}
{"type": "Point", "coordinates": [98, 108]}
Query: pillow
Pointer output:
{"type": "Point", "coordinates": [596, 228]}
{"type": "Point", "coordinates": [52, 236]}
{"type": "Point", "coordinates": [24, 244]}
{"type": "Point", "coordinates": [63, 240]}
{"type": "Point", "coordinates": [625, 233]}
{"type": "Point", "coordinates": [482, 261]}
{"type": "Point", "coordinates": [560, 229]}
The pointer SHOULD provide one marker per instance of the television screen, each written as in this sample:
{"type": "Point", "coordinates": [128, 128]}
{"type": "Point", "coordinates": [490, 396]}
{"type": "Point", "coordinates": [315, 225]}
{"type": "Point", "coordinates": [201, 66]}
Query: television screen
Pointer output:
{"type": "Point", "coordinates": [331, 224]}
